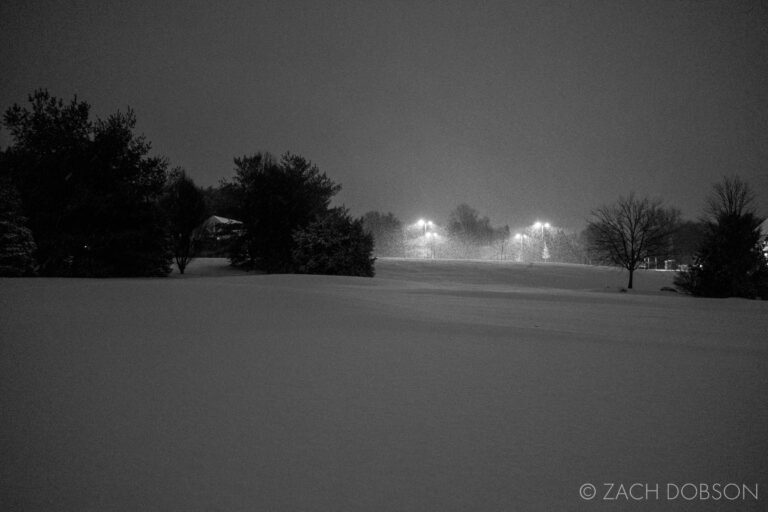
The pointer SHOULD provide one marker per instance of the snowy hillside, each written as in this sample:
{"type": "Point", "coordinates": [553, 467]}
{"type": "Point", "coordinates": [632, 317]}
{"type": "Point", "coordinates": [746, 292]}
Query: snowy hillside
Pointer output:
{"type": "Point", "coordinates": [436, 386]}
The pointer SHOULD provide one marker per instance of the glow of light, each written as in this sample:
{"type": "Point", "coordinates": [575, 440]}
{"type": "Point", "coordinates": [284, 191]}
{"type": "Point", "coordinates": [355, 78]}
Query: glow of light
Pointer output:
{"type": "Point", "coordinates": [537, 225]}
{"type": "Point", "coordinates": [518, 236]}
{"type": "Point", "coordinates": [420, 223]}
{"type": "Point", "coordinates": [546, 225]}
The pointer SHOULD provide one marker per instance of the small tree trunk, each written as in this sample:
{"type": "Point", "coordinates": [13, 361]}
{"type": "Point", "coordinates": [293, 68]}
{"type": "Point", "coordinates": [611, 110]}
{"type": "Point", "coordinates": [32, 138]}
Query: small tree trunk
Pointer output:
{"type": "Point", "coordinates": [631, 275]}
{"type": "Point", "coordinates": [181, 262]}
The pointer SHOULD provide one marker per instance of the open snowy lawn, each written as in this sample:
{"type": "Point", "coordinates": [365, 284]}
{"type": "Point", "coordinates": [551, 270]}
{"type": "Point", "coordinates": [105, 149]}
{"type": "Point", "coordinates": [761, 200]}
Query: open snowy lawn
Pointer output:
{"type": "Point", "coordinates": [436, 386]}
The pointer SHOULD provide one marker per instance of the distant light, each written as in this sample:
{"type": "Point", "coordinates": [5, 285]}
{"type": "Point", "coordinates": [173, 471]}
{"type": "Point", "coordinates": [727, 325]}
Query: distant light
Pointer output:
{"type": "Point", "coordinates": [420, 223]}
{"type": "Point", "coordinates": [537, 225]}
{"type": "Point", "coordinates": [429, 223]}
{"type": "Point", "coordinates": [518, 236]}
{"type": "Point", "coordinates": [546, 225]}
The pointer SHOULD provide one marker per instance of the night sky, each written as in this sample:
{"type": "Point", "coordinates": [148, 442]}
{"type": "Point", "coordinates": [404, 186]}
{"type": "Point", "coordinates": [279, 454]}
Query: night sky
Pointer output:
{"type": "Point", "coordinates": [523, 110]}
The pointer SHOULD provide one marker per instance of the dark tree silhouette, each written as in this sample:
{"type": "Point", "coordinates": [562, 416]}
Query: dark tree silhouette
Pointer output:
{"type": "Point", "coordinates": [628, 231]}
{"type": "Point", "coordinates": [464, 222]}
{"type": "Point", "coordinates": [185, 207]}
{"type": "Point", "coordinates": [687, 240]}
{"type": "Point", "coordinates": [335, 244]}
{"type": "Point", "coordinates": [88, 188]}
{"type": "Point", "coordinates": [468, 231]}
{"type": "Point", "coordinates": [222, 200]}
{"type": "Point", "coordinates": [729, 262]}
{"type": "Point", "coordinates": [274, 200]}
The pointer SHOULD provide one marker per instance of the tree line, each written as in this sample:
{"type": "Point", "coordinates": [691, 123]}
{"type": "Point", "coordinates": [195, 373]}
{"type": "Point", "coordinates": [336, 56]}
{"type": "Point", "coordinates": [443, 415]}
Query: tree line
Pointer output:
{"type": "Point", "coordinates": [727, 258]}
{"type": "Point", "coordinates": [721, 254]}
{"type": "Point", "coordinates": [83, 197]}
{"type": "Point", "coordinates": [465, 234]}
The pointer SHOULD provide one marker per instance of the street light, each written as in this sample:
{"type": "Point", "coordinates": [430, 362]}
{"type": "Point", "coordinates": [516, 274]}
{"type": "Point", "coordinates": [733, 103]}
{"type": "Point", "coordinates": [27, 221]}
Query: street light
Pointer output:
{"type": "Point", "coordinates": [428, 231]}
{"type": "Point", "coordinates": [424, 224]}
{"type": "Point", "coordinates": [431, 238]}
{"type": "Point", "coordinates": [542, 226]}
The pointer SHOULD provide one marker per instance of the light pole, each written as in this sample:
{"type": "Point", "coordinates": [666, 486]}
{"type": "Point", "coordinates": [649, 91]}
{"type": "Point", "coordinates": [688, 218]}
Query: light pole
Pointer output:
{"type": "Point", "coordinates": [426, 225]}
{"type": "Point", "coordinates": [544, 250]}
{"type": "Point", "coordinates": [431, 243]}
{"type": "Point", "coordinates": [520, 237]}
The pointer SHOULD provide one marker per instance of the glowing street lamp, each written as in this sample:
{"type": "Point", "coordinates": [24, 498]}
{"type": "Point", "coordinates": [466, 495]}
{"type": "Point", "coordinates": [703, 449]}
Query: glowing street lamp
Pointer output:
{"type": "Point", "coordinates": [427, 227]}
{"type": "Point", "coordinates": [542, 226]}
{"type": "Point", "coordinates": [424, 224]}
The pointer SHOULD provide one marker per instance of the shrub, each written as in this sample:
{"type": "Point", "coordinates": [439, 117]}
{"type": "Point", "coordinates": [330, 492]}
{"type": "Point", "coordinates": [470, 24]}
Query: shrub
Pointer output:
{"type": "Point", "coordinates": [334, 245]}
{"type": "Point", "coordinates": [274, 200]}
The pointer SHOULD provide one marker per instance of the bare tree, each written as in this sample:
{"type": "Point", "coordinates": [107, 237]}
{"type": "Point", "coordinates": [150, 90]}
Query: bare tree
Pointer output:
{"type": "Point", "coordinates": [387, 232]}
{"type": "Point", "coordinates": [630, 230]}
{"type": "Point", "coordinates": [730, 196]}
{"type": "Point", "coordinates": [469, 231]}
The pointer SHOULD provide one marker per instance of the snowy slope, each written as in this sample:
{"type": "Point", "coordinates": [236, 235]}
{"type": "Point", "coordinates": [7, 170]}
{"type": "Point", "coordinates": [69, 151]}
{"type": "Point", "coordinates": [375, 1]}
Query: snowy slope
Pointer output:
{"type": "Point", "coordinates": [434, 386]}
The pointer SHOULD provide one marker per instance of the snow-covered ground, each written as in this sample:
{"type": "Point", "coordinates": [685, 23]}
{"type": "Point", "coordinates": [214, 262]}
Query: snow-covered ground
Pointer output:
{"type": "Point", "coordinates": [435, 386]}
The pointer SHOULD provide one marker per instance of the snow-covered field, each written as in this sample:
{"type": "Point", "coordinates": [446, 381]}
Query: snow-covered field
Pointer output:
{"type": "Point", "coordinates": [436, 386]}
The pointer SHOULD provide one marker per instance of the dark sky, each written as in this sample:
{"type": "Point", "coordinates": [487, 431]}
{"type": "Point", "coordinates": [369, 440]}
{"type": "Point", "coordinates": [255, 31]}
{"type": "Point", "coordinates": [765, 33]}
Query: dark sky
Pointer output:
{"type": "Point", "coordinates": [524, 110]}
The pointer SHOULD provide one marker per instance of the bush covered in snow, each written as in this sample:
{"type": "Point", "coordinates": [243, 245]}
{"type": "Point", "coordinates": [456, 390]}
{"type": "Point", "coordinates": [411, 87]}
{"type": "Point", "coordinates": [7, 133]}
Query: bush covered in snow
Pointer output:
{"type": "Point", "coordinates": [335, 245]}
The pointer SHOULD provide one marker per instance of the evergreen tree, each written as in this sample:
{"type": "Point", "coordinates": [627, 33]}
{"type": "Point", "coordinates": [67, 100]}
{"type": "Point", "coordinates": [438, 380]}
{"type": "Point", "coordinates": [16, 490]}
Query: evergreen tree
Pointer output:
{"type": "Point", "coordinates": [89, 189]}
{"type": "Point", "coordinates": [729, 262]}
{"type": "Point", "coordinates": [335, 244]}
{"type": "Point", "coordinates": [276, 199]}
